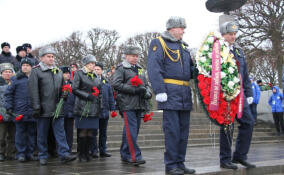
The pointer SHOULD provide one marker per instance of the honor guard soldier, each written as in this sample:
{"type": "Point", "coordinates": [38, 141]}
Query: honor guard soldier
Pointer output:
{"type": "Point", "coordinates": [132, 102]}
{"type": "Point", "coordinates": [45, 84]}
{"type": "Point", "coordinates": [229, 29]}
{"type": "Point", "coordinates": [169, 70]}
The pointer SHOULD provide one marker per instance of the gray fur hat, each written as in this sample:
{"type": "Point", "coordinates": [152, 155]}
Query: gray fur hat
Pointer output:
{"type": "Point", "coordinates": [88, 59]}
{"type": "Point", "coordinates": [176, 22]}
{"type": "Point", "coordinates": [228, 24]}
{"type": "Point", "coordinates": [6, 66]}
{"type": "Point", "coordinates": [46, 50]}
{"type": "Point", "coordinates": [132, 50]}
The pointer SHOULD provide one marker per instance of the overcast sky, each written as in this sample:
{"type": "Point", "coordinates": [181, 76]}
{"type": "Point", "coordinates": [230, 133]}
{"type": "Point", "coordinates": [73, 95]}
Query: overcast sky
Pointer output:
{"type": "Point", "coordinates": [42, 21]}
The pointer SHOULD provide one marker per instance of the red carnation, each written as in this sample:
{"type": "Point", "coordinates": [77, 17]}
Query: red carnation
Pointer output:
{"type": "Point", "coordinates": [19, 117]}
{"type": "Point", "coordinates": [148, 117]}
{"type": "Point", "coordinates": [202, 85]}
{"type": "Point", "coordinates": [1, 118]}
{"type": "Point", "coordinates": [136, 81]}
{"type": "Point", "coordinates": [200, 77]}
{"type": "Point", "coordinates": [220, 120]}
{"type": "Point", "coordinates": [208, 80]}
{"type": "Point", "coordinates": [66, 88]}
{"type": "Point", "coordinates": [206, 100]}
{"type": "Point", "coordinates": [213, 115]}
{"type": "Point", "coordinates": [96, 91]}
{"type": "Point", "coordinates": [113, 114]}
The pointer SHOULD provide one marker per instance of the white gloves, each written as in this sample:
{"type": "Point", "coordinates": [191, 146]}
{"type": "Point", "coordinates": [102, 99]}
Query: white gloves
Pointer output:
{"type": "Point", "coordinates": [161, 97]}
{"type": "Point", "coordinates": [250, 100]}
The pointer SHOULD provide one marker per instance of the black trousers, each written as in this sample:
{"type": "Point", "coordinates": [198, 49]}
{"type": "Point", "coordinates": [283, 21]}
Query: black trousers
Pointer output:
{"type": "Point", "coordinates": [278, 121]}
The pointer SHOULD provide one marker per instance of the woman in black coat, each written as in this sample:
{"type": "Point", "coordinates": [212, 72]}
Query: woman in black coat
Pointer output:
{"type": "Point", "coordinates": [86, 87]}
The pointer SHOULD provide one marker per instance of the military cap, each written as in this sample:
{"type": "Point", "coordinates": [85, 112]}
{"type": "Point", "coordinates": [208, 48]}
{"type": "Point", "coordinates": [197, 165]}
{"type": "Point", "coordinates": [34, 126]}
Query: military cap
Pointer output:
{"type": "Point", "coordinates": [175, 22]}
{"type": "Point", "coordinates": [46, 50]}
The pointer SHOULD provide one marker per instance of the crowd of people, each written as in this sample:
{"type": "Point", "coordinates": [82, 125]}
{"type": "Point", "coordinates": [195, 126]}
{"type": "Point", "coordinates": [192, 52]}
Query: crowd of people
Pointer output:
{"type": "Point", "coordinates": [39, 103]}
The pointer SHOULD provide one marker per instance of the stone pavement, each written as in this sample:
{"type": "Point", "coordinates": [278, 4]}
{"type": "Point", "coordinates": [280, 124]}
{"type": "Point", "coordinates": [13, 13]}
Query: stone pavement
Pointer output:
{"type": "Point", "coordinates": [268, 157]}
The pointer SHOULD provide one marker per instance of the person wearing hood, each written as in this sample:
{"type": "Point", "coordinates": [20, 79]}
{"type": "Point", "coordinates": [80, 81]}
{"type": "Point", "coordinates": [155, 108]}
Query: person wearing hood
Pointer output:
{"type": "Point", "coordinates": [256, 97]}
{"type": "Point", "coordinates": [45, 89]}
{"type": "Point", "coordinates": [18, 102]}
{"type": "Point", "coordinates": [169, 70]}
{"type": "Point", "coordinates": [275, 101]}
{"type": "Point", "coordinates": [7, 126]}
{"type": "Point", "coordinates": [28, 46]}
{"type": "Point", "coordinates": [6, 56]}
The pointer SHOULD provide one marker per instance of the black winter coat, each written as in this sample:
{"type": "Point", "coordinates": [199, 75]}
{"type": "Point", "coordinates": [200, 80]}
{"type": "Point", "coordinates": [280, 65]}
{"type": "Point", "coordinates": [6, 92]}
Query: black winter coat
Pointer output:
{"type": "Point", "coordinates": [82, 88]}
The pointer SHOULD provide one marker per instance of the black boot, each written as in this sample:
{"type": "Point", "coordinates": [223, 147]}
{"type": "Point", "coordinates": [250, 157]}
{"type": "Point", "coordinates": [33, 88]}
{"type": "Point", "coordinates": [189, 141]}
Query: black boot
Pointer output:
{"type": "Point", "coordinates": [87, 147]}
{"type": "Point", "coordinates": [82, 141]}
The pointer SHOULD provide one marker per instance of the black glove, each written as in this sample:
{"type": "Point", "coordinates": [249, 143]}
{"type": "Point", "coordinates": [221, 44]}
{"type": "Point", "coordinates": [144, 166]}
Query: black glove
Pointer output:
{"type": "Point", "coordinates": [36, 113]}
{"type": "Point", "coordinates": [9, 112]}
{"type": "Point", "coordinates": [91, 97]}
{"type": "Point", "coordinates": [148, 94]}
{"type": "Point", "coordinates": [140, 90]}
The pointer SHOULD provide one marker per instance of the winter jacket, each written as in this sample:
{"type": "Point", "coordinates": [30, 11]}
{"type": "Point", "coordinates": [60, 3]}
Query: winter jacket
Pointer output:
{"type": "Point", "coordinates": [69, 104]}
{"type": "Point", "coordinates": [9, 58]}
{"type": "Point", "coordinates": [275, 100]}
{"type": "Point", "coordinates": [256, 92]}
{"type": "Point", "coordinates": [17, 97]}
{"type": "Point", "coordinates": [45, 88]}
{"type": "Point", "coordinates": [127, 99]}
{"type": "Point", "coordinates": [3, 88]}
{"type": "Point", "coordinates": [82, 88]}
{"type": "Point", "coordinates": [108, 103]}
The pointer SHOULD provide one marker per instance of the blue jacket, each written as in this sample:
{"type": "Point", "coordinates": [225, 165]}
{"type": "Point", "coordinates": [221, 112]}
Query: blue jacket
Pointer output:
{"type": "Point", "coordinates": [283, 79]}
{"type": "Point", "coordinates": [275, 100]}
{"type": "Point", "coordinates": [17, 97]}
{"type": "Point", "coordinates": [239, 55]}
{"type": "Point", "coordinates": [108, 103]}
{"type": "Point", "coordinates": [159, 67]}
{"type": "Point", "coordinates": [256, 92]}
{"type": "Point", "coordinates": [68, 105]}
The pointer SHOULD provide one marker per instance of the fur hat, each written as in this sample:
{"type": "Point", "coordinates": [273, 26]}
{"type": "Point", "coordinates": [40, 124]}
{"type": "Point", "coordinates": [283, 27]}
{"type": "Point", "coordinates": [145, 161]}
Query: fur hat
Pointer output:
{"type": "Point", "coordinates": [65, 69]}
{"type": "Point", "coordinates": [176, 22]}
{"type": "Point", "coordinates": [27, 60]}
{"type": "Point", "coordinates": [5, 44]}
{"type": "Point", "coordinates": [101, 65]}
{"type": "Point", "coordinates": [88, 59]}
{"type": "Point", "coordinates": [6, 66]}
{"type": "Point", "coordinates": [46, 50]}
{"type": "Point", "coordinates": [21, 48]}
{"type": "Point", "coordinates": [228, 24]}
{"type": "Point", "coordinates": [27, 45]}
{"type": "Point", "coordinates": [132, 50]}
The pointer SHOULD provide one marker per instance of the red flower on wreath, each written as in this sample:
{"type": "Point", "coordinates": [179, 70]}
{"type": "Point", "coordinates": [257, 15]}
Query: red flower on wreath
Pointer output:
{"type": "Point", "coordinates": [96, 91]}
{"type": "Point", "coordinates": [136, 81]}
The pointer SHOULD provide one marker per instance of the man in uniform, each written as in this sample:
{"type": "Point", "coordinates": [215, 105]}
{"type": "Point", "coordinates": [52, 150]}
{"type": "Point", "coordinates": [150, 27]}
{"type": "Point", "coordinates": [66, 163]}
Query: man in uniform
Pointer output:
{"type": "Point", "coordinates": [45, 84]}
{"type": "Point", "coordinates": [6, 56]}
{"type": "Point", "coordinates": [229, 29]}
{"type": "Point", "coordinates": [169, 70]}
{"type": "Point", "coordinates": [28, 46]}
{"type": "Point", "coordinates": [132, 103]}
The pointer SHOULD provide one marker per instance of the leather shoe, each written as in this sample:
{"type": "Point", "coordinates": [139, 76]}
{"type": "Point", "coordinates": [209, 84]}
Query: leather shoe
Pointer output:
{"type": "Point", "coordinates": [43, 162]}
{"type": "Point", "coordinates": [135, 163]}
{"type": "Point", "coordinates": [188, 171]}
{"type": "Point", "coordinates": [22, 159]}
{"type": "Point", "coordinates": [229, 165]}
{"type": "Point", "coordinates": [2, 157]}
{"type": "Point", "coordinates": [68, 158]}
{"type": "Point", "coordinates": [175, 171]}
{"type": "Point", "coordinates": [105, 154]}
{"type": "Point", "coordinates": [244, 163]}
{"type": "Point", "coordinates": [95, 155]}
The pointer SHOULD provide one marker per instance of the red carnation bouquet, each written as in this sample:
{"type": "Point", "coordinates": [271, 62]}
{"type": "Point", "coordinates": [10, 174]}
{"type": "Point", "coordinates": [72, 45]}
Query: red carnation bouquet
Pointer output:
{"type": "Point", "coordinates": [85, 113]}
{"type": "Point", "coordinates": [136, 81]}
{"type": "Point", "coordinates": [148, 117]}
{"type": "Point", "coordinates": [1, 118]}
{"type": "Point", "coordinates": [113, 114]}
{"type": "Point", "coordinates": [66, 89]}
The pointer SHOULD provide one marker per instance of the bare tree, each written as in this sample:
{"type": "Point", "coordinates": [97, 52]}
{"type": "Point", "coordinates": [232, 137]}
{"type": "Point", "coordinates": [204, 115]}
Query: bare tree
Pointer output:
{"type": "Point", "coordinates": [262, 27]}
{"type": "Point", "coordinates": [102, 44]}
{"type": "Point", "coordinates": [143, 41]}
